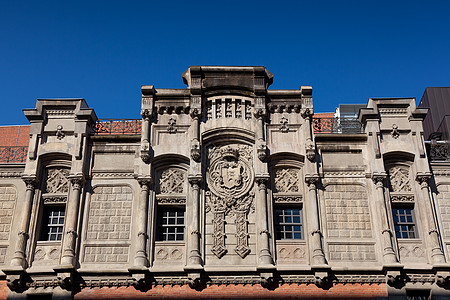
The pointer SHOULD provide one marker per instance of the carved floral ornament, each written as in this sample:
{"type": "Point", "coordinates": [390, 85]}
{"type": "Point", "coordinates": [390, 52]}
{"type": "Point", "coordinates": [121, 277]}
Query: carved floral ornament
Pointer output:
{"type": "Point", "coordinates": [230, 179]}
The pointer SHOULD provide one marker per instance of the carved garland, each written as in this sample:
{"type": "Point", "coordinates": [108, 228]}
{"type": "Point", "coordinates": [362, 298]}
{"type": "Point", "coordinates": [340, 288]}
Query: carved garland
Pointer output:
{"type": "Point", "coordinates": [230, 179]}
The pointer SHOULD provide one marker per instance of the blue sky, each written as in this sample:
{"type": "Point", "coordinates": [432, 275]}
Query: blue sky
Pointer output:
{"type": "Point", "coordinates": [104, 51]}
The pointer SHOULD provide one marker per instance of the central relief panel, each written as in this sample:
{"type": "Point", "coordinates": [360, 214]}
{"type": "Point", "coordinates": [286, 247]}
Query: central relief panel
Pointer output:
{"type": "Point", "coordinates": [229, 198]}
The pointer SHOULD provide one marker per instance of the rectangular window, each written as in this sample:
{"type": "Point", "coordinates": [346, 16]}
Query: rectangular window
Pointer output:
{"type": "Point", "coordinates": [170, 224]}
{"type": "Point", "coordinates": [288, 224]}
{"type": "Point", "coordinates": [404, 224]}
{"type": "Point", "coordinates": [53, 223]}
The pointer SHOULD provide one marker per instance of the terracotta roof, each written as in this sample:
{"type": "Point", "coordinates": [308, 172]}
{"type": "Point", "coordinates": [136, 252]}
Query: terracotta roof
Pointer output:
{"type": "Point", "coordinates": [18, 135]}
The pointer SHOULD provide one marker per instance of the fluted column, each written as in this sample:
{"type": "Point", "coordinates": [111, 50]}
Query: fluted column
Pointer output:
{"type": "Point", "coordinates": [265, 257]}
{"type": "Point", "coordinates": [140, 259]}
{"type": "Point", "coordinates": [21, 243]}
{"type": "Point", "coordinates": [437, 255]}
{"type": "Point", "coordinates": [318, 257]}
{"type": "Point", "coordinates": [194, 256]}
{"type": "Point", "coordinates": [388, 248]}
{"type": "Point", "coordinates": [71, 234]}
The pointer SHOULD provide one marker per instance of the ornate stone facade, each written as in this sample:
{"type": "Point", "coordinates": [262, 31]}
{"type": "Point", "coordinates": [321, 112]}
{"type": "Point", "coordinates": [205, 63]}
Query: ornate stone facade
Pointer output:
{"type": "Point", "coordinates": [225, 183]}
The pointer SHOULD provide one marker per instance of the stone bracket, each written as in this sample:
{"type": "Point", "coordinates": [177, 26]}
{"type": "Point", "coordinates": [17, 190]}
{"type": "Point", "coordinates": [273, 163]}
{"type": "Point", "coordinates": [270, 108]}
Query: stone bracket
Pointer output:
{"type": "Point", "coordinates": [323, 277]}
{"type": "Point", "coordinates": [141, 277]}
{"type": "Point", "coordinates": [395, 278]}
{"type": "Point", "coordinates": [15, 279]}
{"type": "Point", "coordinates": [65, 276]}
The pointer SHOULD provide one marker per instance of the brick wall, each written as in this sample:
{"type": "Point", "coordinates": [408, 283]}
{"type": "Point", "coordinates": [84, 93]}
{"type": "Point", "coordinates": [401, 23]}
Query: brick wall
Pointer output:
{"type": "Point", "coordinates": [3, 290]}
{"type": "Point", "coordinates": [285, 291]}
{"type": "Point", "coordinates": [14, 135]}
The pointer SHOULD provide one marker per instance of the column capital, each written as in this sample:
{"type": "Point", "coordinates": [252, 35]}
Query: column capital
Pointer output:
{"type": "Point", "coordinates": [262, 181]}
{"type": "Point", "coordinates": [144, 182]}
{"type": "Point", "coordinates": [423, 179]}
{"type": "Point", "coordinates": [30, 181]}
{"type": "Point", "coordinates": [76, 180]}
{"type": "Point", "coordinates": [195, 180]}
{"type": "Point", "coordinates": [260, 113]}
{"type": "Point", "coordinates": [379, 179]}
{"type": "Point", "coordinates": [146, 114]}
{"type": "Point", "coordinates": [312, 181]}
{"type": "Point", "coordinates": [195, 113]}
{"type": "Point", "coordinates": [307, 113]}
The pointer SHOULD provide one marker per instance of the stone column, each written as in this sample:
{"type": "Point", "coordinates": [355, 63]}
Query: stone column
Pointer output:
{"type": "Point", "coordinates": [145, 135]}
{"type": "Point", "coordinates": [265, 257]}
{"type": "Point", "coordinates": [318, 257]}
{"type": "Point", "coordinates": [73, 206]}
{"type": "Point", "coordinates": [195, 144]}
{"type": "Point", "coordinates": [310, 148]}
{"type": "Point", "coordinates": [140, 259]}
{"type": "Point", "coordinates": [21, 244]}
{"type": "Point", "coordinates": [194, 256]}
{"type": "Point", "coordinates": [388, 248]}
{"type": "Point", "coordinates": [437, 255]}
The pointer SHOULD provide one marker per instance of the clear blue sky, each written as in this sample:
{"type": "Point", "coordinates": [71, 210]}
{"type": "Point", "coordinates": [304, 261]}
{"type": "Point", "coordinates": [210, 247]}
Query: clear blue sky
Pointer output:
{"type": "Point", "coordinates": [104, 51]}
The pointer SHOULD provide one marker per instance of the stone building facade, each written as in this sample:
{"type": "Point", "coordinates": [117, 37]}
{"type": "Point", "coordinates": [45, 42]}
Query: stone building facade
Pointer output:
{"type": "Point", "coordinates": [225, 187]}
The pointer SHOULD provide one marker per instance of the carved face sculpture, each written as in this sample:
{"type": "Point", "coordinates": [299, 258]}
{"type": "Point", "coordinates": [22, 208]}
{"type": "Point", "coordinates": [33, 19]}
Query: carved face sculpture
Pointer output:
{"type": "Point", "coordinates": [232, 175]}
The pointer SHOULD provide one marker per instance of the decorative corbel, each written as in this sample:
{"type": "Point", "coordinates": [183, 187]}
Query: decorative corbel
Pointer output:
{"type": "Point", "coordinates": [59, 132]}
{"type": "Point", "coordinates": [322, 279]}
{"type": "Point", "coordinates": [395, 134]}
{"type": "Point", "coordinates": [310, 151]}
{"type": "Point", "coordinates": [261, 150]}
{"type": "Point", "coordinates": [395, 278]}
{"type": "Point", "coordinates": [267, 279]}
{"type": "Point", "coordinates": [65, 280]}
{"type": "Point", "coordinates": [195, 150]}
{"type": "Point", "coordinates": [443, 279]}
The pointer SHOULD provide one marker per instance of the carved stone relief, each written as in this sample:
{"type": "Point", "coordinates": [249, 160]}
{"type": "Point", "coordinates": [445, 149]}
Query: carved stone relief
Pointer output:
{"type": "Point", "coordinates": [230, 178]}
{"type": "Point", "coordinates": [287, 180]}
{"type": "Point", "coordinates": [57, 182]}
{"type": "Point", "coordinates": [399, 179]}
{"type": "Point", "coordinates": [169, 254]}
{"type": "Point", "coordinates": [291, 253]}
{"type": "Point", "coordinates": [172, 181]}
{"type": "Point", "coordinates": [412, 253]}
{"type": "Point", "coordinates": [47, 254]}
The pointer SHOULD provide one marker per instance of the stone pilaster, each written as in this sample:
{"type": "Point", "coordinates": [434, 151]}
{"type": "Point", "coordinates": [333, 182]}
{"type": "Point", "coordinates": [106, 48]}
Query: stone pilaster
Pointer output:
{"type": "Point", "coordinates": [21, 243]}
{"type": "Point", "coordinates": [437, 254]}
{"type": "Point", "coordinates": [140, 259]}
{"type": "Point", "coordinates": [318, 256]}
{"type": "Point", "coordinates": [73, 206]}
{"type": "Point", "coordinates": [389, 255]}
{"type": "Point", "coordinates": [265, 257]}
{"type": "Point", "coordinates": [194, 255]}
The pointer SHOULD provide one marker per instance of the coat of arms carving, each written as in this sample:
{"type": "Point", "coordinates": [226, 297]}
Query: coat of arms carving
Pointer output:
{"type": "Point", "coordinates": [230, 179]}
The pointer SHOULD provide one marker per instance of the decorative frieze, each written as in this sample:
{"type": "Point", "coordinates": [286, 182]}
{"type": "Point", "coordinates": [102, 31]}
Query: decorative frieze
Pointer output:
{"type": "Point", "coordinates": [106, 254]}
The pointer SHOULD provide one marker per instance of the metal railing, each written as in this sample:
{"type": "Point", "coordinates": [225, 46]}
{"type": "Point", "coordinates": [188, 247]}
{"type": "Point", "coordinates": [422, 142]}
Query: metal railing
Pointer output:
{"type": "Point", "coordinates": [13, 154]}
{"type": "Point", "coordinates": [337, 125]}
{"type": "Point", "coordinates": [439, 151]}
{"type": "Point", "coordinates": [118, 126]}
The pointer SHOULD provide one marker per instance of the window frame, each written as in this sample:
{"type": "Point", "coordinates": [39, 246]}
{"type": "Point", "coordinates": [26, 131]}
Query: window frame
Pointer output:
{"type": "Point", "coordinates": [292, 224]}
{"type": "Point", "coordinates": [159, 236]}
{"type": "Point", "coordinates": [412, 223]}
{"type": "Point", "coordinates": [44, 234]}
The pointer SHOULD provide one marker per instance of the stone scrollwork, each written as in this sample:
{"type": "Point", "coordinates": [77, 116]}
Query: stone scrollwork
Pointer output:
{"type": "Point", "coordinates": [230, 179]}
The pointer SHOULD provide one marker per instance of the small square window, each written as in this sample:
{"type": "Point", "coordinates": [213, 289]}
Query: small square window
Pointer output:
{"type": "Point", "coordinates": [288, 224]}
{"type": "Point", "coordinates": [170, 224]}
{"type": "Point", "coordinates": [52, 223]}
{"type": "Point", "coordinates": [404, 224]}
